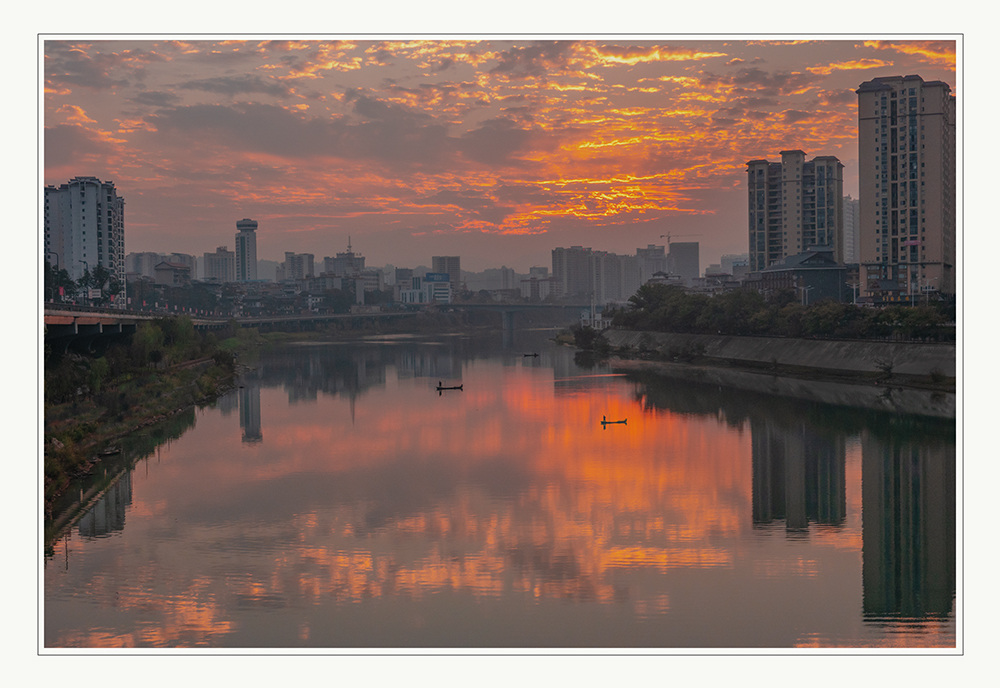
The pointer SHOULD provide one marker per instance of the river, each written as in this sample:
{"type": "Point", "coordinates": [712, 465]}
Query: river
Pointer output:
{"type": "Point", "coordinates": [338, 500]}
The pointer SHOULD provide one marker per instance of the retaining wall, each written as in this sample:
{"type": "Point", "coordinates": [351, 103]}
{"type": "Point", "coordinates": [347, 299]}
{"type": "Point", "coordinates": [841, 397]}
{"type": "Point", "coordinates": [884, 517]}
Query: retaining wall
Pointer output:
{"type": "Point", "coordinates": [860, 356]}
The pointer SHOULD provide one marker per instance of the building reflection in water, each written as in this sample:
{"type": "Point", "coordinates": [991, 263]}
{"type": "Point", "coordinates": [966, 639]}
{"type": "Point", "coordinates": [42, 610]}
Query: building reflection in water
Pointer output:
{"type": "Point", "coordinates": [250, 411]}
{"type": "Point", "coordinates": [798, 475]}
{"type": "Point", "coordinates": [108, 514]}
{"type": "Point", "coordinates": [908, 526]}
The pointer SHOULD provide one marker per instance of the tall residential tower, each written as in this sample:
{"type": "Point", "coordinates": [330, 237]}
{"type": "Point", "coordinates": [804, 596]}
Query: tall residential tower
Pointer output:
{"type": "Point", "coordinates": [906, 161]}
{"type": "Point", "coordinates": [852, 230]}
{"type": "Point", "coordinates": [451, 265]}
{"type": "Point", "coordinates": [85, 227]}
{"type": "Point", "coordinates": [794, 205]}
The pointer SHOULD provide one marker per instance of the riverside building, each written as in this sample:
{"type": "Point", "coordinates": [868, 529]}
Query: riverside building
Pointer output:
{"type": "Point", "coordinates": [85, 227]}
{"type": "Point", "coordinates": [794, 205]}
{"type": "Point", "coordinates": [906, 161]}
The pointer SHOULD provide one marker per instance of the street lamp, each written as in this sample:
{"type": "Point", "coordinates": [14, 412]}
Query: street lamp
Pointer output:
{"type": "Point", "coordinates": [53, 253]}
{"type": "Point", "coordinates": [805, 290]}
{"type": "Point", "coordinates": [926, 288]}
{"type": "Point", "coordinates": [87, 266]}
{"type": "Point", "coordinates": [854, 288]}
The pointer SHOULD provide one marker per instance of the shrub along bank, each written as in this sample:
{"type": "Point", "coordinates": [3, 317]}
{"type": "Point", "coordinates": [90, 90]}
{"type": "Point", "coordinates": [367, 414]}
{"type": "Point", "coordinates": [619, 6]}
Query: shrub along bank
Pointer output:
{"type": "Point", "coordinates": [93, 399]}
{"type": "Point", "coordinates": [667, 308]}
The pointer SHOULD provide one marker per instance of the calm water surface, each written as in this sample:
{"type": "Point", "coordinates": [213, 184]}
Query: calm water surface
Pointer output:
{"type": "Point", "coordinates": [337, 500]}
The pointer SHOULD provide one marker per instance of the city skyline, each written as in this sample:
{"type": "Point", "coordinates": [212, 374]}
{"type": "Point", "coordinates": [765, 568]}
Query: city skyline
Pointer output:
{"type": "Point", "coordinates": [496, 151]}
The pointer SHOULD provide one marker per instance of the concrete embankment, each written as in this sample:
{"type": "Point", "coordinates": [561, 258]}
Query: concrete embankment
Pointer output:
{"type": "Point", "coordinates": [825, 355]}
{"type": "Point", "coordinates": [885, 397]}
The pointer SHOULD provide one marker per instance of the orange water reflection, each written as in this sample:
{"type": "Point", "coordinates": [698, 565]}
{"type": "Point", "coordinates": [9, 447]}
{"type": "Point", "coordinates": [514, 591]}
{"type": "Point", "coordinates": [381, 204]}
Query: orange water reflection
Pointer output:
{"type": "Point", "coordinates": [509, 491]}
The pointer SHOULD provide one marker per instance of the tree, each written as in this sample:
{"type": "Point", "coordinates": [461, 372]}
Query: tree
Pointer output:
{"type": "Point", "coordinates": [338, 301]}
{"type": "Point", "coordinates": [53, 280]}
{"type": "Point", "coordinates": [147, 344]}
{"type": "Point", "coordinates": [584, 337]}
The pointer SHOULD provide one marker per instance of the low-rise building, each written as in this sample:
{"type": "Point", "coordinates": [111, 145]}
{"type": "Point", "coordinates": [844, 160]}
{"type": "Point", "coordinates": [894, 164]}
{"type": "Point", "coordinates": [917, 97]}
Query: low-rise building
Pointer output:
{"type": "Point", "coordinates": [172, 274]}
{"type": "Point", "coordinates": [814, 275]}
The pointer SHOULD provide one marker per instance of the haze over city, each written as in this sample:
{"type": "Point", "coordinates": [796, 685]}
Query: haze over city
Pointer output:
{"type": "Point", "coordinates": [497, 151]}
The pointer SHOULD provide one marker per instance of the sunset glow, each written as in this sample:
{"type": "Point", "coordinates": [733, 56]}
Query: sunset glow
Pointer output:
{"type": "Point", "coordinates": [495, 150]}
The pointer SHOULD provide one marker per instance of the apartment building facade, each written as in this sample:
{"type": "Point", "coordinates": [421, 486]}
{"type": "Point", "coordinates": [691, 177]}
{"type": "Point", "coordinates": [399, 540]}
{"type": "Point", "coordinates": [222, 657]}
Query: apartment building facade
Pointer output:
{"type": "Point", "coordinates": [220, 265]}
{"type": "Point", "coordinates": [84, 225]}
{"type": "Point", "coordinates": [794, 205]}
{"type": "Point", "coordinates": [907, 180]}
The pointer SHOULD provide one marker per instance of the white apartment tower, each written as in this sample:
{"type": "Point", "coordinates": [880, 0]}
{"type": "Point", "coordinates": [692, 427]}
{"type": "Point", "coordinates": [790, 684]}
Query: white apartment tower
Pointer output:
{"type": "Point", "coordinates": [794, 205]}
{"type": "Point", "coordinates": [85, 227]}
{"type": "Point", "coordinates": [906, 160]}
{"type": "Point", "coordinates": [246, 250]}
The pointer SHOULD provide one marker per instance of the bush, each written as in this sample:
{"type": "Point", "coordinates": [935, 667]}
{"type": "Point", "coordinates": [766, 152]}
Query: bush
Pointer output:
{"type": "Point", "coordinates": [584, 337]}
{"type": "Point", "coordinates": [224, 359]}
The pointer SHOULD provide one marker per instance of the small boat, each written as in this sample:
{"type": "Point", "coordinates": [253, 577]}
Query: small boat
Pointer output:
{"type": "Point", "coordinates": [441, 389]}
{"type": "Point", "coordinates": [110, 451]}
{"type": "Point", "coordinates": [534, 355]}
{"type": "Point", "coordinates": [605, 422]}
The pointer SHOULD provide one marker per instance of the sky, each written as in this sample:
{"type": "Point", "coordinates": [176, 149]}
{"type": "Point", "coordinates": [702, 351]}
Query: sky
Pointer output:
{"type": "Point", "coordinates": [494, 150]}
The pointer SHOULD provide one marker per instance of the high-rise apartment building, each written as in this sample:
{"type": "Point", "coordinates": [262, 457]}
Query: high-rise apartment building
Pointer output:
{"type": "Point", "coordinates": [852, 229]}
{"type": "Point", "coordinates": [794, 205]}
{"type": "Point", "coordinates": [571, 270]}
{"type": "Point", "coordinates": [85, 227]}
{"type": "Point", "coordinates": [508, 278]}
{"type": "Point", "coordinates": [220, 265]}
{"type": "Point", "coordinates": [906, 161]}
{"type": "Point", "coordinates": [604, 276]}
{"type": "Point", "coordinates": [404, 277]}
{"type": "Point", "coordinates": [614, 277]}
{"type": "Point", "coordinates": [345, 264]}
{"type": "Point", "coordinates": [246, 250]}
{"type": "Point", "coordinates": [652, 259]}
{"type": "Point", "coordinates": [299, 266]}
{"type": "Point", "coordinates": [683, 260]}
{"type": "Point", "coordinates": [451, 265]}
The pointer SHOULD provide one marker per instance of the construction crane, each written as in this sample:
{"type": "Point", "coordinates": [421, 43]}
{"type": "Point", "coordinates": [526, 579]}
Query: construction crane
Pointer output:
{"type": "Point", "coordinates": [668, 236]}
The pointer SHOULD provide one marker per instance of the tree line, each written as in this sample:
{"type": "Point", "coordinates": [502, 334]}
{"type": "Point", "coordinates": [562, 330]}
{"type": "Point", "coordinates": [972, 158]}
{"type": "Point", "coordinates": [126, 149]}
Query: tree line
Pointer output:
{"type": "Point", "coordinates": [668, 308]}
{"type": "Point", "coordinates": [99, 278]}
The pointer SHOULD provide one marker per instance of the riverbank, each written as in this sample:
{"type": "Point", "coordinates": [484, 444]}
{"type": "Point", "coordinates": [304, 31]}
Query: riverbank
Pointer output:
{"type": "Point", "coordinates": [78, 434]}
{"type": "Point", "coordinates": [896, 377]}
{"type": "Point", "coordinates": [882, 396]}
{"type": "Point", "coordinates": [900, 364]}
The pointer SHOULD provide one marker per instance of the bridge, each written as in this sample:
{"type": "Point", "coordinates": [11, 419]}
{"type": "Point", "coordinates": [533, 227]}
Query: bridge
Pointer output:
{"type": "Point", "coordinates": [85, 326]}
{"type": "Point", "coordinates": [508, 310]}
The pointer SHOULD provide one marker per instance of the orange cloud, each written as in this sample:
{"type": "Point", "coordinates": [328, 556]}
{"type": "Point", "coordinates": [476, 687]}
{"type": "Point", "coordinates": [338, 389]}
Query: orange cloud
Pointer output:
{"type": "Point", "coordinates": [75, 114]}
{"type": "Point", "coordinates": [632, 55]}
{"type": "Point", "coordinates": [862, 63]}
{"type": "Point", "coordinates": [941, 53]}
